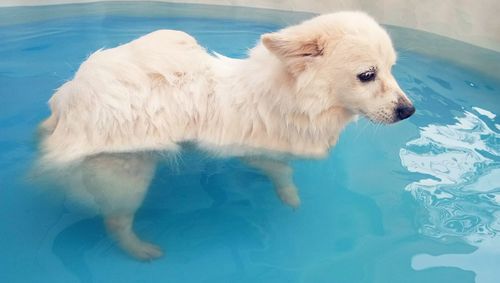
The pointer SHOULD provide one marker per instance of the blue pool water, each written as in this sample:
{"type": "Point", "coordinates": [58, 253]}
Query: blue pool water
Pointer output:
{"type": "Point", "coordinates": [418, 201]}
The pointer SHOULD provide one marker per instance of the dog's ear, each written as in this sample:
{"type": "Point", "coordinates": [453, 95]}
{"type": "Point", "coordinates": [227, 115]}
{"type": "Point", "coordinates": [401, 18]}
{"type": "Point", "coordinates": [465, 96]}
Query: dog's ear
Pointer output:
{"type": "Point", "coordinates": [293, 46]}
{"type": "Point", "coordinates": [296, 51]}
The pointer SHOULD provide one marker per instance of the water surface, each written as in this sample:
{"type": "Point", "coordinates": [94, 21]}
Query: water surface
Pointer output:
{"type": "Point", "coordinates": [413, 202]}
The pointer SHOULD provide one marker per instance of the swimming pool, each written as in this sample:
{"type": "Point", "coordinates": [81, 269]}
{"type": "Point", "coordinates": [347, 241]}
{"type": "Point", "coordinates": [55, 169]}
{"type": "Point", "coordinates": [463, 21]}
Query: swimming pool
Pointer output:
{"type": "Point", "coordinates": [412, 202]}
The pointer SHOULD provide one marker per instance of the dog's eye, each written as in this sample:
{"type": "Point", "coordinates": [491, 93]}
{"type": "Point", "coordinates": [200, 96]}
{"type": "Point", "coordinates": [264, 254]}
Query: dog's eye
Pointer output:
{"type": "Point", "coordinates": [367, 76]}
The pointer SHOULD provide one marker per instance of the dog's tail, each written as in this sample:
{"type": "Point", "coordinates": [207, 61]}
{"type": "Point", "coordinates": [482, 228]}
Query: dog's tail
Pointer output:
{"type": "Point", "coordinates": [48, 126]}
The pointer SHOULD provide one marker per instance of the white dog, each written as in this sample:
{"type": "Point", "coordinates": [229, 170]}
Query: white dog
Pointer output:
{"type": "Point", "coordinates": [292, 96]}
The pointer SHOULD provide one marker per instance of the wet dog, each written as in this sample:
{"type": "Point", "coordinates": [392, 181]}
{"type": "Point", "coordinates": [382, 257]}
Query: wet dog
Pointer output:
{"type": "Point", "coordinates": [292, 96]}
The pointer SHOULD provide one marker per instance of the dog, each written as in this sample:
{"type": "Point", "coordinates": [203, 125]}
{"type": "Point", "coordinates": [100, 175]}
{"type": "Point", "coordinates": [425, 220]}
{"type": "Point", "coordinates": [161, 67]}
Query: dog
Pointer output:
{"type": "Point", "coordinates": [291, 97]}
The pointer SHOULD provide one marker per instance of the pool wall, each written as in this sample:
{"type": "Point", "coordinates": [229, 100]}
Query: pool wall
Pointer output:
{"type": "Point", "coordinates": [475, 22]}
{"type": "Point", "coordinates": [471, 28]}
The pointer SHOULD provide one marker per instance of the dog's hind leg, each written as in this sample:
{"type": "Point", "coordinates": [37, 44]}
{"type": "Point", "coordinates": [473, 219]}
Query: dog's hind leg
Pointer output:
{"type": "Point", "coordinates": [118, 183]}
{"type": "Point", "coordinates": [119, 226]}
{"type": "Point", "coordinates": [280, 174]}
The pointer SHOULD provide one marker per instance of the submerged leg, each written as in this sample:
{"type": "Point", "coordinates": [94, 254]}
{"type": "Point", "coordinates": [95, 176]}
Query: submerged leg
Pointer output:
{"type": "Point", "coordinates": [118, 183]}
{"type": "Point", "coordinates": [280, 173]}
{"type": "Point", "coordinates": [119, 227]}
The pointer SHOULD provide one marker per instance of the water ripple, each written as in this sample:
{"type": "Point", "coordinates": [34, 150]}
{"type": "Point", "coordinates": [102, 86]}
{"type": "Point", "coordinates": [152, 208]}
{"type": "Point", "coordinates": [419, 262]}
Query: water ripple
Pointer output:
{"type": "Point", "coordinates": [460, 195]}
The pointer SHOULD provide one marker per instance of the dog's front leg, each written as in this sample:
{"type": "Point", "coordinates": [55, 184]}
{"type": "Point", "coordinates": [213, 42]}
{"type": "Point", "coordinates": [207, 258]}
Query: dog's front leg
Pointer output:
{"type": "Point", "coordinates": [280, 174]}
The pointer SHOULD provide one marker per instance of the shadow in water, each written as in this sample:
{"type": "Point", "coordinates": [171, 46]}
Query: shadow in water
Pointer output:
{"type": "Point", "coordinates": [207, 213]}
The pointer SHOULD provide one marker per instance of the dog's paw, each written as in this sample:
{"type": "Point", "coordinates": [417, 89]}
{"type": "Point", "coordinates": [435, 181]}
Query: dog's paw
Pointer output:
{"type": "Point", "coordinates": [143, 250]}
{"type": "Point", "coordinates": [290, 196]}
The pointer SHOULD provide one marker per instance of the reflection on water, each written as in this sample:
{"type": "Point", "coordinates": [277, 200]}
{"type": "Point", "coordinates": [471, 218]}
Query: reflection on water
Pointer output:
{"type": "Point", "coordinates": [460, 190]}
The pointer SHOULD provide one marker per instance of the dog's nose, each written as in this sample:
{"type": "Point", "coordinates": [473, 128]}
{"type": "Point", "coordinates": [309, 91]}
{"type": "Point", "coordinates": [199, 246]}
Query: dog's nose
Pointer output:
{"type": "Point", "coordinates": [404, 111]}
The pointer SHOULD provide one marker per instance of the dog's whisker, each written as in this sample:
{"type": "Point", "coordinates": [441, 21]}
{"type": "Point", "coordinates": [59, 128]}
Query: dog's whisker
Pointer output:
{"type": "Point", "coordinates": [360, 131]}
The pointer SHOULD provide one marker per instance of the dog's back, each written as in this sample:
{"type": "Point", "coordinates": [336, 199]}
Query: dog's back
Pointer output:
{"type": "Point", "coordinates": [137, 96]}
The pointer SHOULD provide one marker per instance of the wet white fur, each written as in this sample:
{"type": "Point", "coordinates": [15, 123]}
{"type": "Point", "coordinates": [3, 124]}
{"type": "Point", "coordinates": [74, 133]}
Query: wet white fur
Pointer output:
{"type": "Point", "coordinates": [291, 97]}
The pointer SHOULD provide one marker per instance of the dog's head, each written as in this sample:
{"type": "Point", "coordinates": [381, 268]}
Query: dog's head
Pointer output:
{"type": "Point", "coordinates": [342, 60]}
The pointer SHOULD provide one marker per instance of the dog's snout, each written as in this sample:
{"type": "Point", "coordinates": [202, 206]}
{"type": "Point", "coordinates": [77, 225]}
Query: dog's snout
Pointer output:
{"type": "Point", "coordinates": [404, 111]}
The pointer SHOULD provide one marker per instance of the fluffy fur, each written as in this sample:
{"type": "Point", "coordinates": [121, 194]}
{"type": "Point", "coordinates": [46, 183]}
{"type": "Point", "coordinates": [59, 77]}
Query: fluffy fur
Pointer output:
{"type": "Point", "coordinates": [292, 96]}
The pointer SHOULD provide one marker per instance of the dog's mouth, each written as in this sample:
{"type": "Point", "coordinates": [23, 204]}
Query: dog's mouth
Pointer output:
{"type": "Point", "coordinates": [380, 120]}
